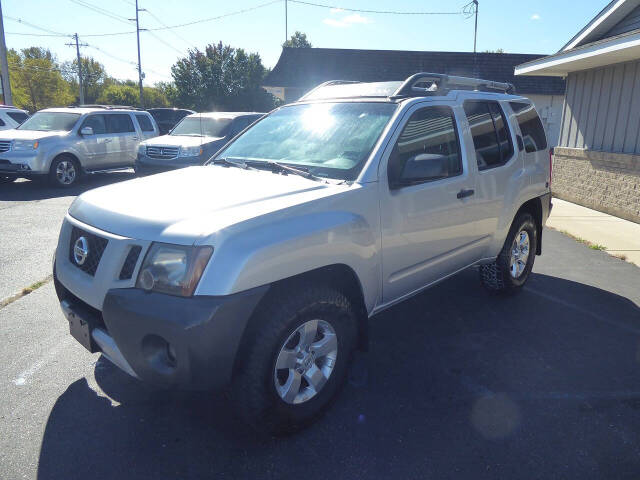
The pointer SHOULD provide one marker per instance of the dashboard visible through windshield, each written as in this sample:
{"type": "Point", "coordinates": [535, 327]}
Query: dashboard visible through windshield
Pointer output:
{"type": "Point", "coordinates": [326, 139]}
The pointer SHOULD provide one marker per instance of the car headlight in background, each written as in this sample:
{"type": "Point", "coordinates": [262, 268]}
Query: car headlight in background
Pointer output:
{"type": "Point", "coordinates": [191, 151]}
{"type": "Point", "coordinates": [173, 269]}
{"type": "Point", "coordinates": [22, 145]}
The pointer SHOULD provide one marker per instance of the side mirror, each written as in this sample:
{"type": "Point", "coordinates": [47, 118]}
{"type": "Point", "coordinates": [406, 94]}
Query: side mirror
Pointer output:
{"type": "Point", "coordinates": [86, 131]}
{"type": "Point", "coordinates": [422, 168]}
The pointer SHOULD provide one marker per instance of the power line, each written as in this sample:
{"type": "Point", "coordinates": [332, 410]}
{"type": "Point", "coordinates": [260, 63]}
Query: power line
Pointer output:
{"type": "Point", "coordinates": [33, 25]}
{"type": "Point", "coordinates": [361, 10]}
{"type": "Point", "coordinates": [210, 19]}
{"type": "Point", "coordinates": [102, 11]}
{"type": "Point", "coordinates": [157, 19]}
{"type": "Point", "coordinates": [167, 44]}
{"type": "Point", "coordinates": [37, 34]}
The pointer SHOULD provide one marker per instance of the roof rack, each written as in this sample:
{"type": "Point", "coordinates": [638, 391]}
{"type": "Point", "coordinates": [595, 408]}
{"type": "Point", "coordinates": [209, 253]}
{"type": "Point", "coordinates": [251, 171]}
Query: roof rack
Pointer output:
{"type": "Point", "coordinates": [106, 107]}
{"type": "Point", "coordinates": [424, 84]}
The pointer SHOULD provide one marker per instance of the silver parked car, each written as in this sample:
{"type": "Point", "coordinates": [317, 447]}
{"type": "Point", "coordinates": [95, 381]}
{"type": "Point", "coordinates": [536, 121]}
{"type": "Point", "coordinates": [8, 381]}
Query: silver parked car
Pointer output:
{"type": "Point", "coordinates": [192, 141]}
{"type": "Point", "coordinates": [63, 143]}
{"type": "Point", "coordinates": [261, 270]}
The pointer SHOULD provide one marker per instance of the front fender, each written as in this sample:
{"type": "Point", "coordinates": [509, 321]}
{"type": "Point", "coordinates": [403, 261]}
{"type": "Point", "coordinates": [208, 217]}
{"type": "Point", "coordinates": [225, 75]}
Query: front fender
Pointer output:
{"type": "Point", "coordinates": [290, 246]}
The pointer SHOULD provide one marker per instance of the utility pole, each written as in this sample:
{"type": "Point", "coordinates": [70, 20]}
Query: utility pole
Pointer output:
{"type": "Point", "coordinates": [139, 63]}
{"type": "Point", "coordinates": [78, 45]}
{"type": "Point", "coordinates": [286, 21]}
{"type": "Point", "coordinates": [4, 65]}
{"type": "Point", "coordinates": [475, 32]}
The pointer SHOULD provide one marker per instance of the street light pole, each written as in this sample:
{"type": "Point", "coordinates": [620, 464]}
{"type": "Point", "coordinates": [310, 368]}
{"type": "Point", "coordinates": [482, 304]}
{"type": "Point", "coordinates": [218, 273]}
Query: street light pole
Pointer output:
{"type": "Point", "coordinates": [475, 32]}
{"type": "Point", "coordinates": [4, 65]}
{"type": "Point", "coordinates": [286, 22]}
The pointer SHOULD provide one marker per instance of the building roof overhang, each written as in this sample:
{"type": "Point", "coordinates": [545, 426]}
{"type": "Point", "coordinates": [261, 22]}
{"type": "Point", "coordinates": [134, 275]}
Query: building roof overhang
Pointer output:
{"type": "Point", "coordinates": [621, 48]}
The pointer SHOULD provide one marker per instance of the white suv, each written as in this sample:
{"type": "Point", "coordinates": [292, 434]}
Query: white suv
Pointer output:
{"type": "Point", "coordinates": [261, 270]}
{"type": "Point", "coordinates": [11, 117]}
{"type": "Point", "coordinates": [63, 143]}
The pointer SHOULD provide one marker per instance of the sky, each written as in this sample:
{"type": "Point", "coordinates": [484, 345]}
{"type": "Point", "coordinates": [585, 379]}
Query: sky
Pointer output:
{"type": "Point", "coordinates": [534, 26]}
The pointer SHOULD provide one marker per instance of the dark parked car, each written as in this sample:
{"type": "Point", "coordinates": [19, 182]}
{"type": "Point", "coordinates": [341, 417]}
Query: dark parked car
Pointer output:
{"type": "Point", "coordinates": [167, 118]}
{"type": "Point", "coordinates": [193, 141]}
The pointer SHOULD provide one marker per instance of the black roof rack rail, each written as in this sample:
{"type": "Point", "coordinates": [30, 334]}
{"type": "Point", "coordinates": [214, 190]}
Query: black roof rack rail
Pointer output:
{"type": "Point", "coordinates": [327, 84]}
{"type": "Point", "coordinates": [106, 107]}
{"type": "Point", "coordinates": [441, 84]}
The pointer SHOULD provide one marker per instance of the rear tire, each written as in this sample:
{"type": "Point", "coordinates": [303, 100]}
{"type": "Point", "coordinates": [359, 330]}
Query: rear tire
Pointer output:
{"type": "Point", "coordinates": [510, 271]}
{"type": "Point", "coordinates": [282, 383]}
{"type": "Point", "coordinates": [64, 172]}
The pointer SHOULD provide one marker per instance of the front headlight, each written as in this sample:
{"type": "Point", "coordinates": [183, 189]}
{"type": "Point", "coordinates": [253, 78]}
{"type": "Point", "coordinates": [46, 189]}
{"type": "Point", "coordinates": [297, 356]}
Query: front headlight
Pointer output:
{"type": "Point", "coordinates": [191, 151]}
{"type": "Point", "coordinates": [21, 145]}
{"type": "Point", "coordinates": [173, 269]}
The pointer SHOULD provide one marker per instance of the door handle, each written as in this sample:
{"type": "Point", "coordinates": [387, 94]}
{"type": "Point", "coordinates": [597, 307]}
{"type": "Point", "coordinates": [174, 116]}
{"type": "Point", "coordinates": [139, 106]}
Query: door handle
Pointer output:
{"type": "Point", "coordinates": [107, 140]}
{"type": "Point", "coordinates": [135, 138]}
{"type": "Point", "coordinates": [465, 193]}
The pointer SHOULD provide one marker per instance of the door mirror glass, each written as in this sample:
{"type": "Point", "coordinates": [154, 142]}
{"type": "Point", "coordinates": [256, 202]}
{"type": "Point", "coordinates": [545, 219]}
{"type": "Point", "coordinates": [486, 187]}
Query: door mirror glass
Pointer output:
{"type": "Point", "coordinates": [86, 131]}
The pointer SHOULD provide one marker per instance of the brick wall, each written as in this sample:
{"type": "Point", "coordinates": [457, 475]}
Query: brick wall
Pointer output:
{"type": "Point", "coordinates": [607, 182]}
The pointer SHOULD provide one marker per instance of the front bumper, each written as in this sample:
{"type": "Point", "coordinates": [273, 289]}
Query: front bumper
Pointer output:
{"type": "Point", "coordinates": [165, 340]}
{"type": "Point", "coordinates": [23, 163]}
{"type": "Point", "coordinates": [148, 165]}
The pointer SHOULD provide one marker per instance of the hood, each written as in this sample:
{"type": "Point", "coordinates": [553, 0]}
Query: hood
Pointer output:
{"type": "Point", "coordinates": [184, 205]}
{"type": "Point", "coordinates": [14, 134]}
{"type": "Point", "coordinates": [180, 140]}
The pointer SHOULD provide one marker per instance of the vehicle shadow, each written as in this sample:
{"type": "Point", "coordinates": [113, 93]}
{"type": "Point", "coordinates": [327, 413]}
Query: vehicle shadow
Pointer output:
{"type": "Point", "coordinates": [456, 383]}
{"type": "Point", "coordinates": [26, 190]}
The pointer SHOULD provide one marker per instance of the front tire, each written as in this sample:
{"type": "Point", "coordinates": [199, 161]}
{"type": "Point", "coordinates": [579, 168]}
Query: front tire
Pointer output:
{"type": "Point", "coordinates": [512, 268]}
{"type": "Point", "coordinates": [64, 171]}
{"type": "Point", "coordinates": [295, 358]}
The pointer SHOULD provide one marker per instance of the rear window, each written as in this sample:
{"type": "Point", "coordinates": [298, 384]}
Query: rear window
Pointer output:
{"type": "Point", "coordinates": [531, 127]}
{"type": "Point", "coordinates": [119, 123]}
{"type": "Point", "coordinates": [491, 137]}
{"type": "Point", "coordinates": [18, 116]}
{"type": "Point", "coordinates": [145, 123]}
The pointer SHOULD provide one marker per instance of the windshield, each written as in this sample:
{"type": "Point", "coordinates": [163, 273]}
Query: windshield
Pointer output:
{"type": "Point", "coordinates": [50, 121]}
{"type": "Point", "coordinates": [199, 126]}
{"type": "Point", "coordinates": [326, 139]}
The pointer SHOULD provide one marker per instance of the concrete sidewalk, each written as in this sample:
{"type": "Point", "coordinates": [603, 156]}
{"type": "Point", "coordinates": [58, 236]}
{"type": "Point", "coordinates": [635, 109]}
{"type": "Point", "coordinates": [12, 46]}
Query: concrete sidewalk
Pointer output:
{"type": "Point", "coordinates": [618, 237]}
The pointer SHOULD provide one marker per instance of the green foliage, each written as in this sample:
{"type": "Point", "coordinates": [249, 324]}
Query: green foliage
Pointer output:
{"type": "Point", "coordinates": [94, 78]}
{"type": "Point", "coordinates": [221, 78]}
{"type": "Point", "coordinates": [119, 95]}
{"type": "Point", "coordinates": [36, 79]}
{"type": "Point", "coordinates": [298, 40]}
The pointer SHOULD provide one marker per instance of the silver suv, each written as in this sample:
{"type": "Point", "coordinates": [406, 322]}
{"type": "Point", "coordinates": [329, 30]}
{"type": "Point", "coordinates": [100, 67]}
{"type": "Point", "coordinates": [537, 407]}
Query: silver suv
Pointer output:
{"type": "Point", "coordinates": [260, 271]}
{"type": "Point", "coordinates": [62, 143]}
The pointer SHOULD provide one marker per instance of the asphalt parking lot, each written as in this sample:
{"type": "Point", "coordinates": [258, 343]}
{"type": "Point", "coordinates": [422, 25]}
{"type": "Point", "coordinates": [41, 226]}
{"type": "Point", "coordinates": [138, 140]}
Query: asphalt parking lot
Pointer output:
{"type": "Point", "coordinates": [457, 383]}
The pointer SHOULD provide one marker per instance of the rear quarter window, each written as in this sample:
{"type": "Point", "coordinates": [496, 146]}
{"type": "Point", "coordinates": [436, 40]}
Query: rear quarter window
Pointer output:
{"type": "Point", "coordinates": [145, 123]}
{"type": "Point", "coordinates": [531, 127]}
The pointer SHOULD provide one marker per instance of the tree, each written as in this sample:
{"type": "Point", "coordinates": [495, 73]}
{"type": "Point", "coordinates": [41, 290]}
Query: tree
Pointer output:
{"type": "Point", "coordinates": [94, 78]}
{"type": "Point", "coordinates": [119, 95]}
{"type": "Point", "coordinates": [298, 40]}
{"type": "Point", "coordinates": [37, 79]}
{"type": "Point", "coordinates": [221, 78]}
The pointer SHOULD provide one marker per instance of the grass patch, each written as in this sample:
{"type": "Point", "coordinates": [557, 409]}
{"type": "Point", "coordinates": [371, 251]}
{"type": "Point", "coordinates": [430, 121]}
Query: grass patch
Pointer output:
{"type": "Point", "coordinates": [591, 245]}
{"type": "Point", "coordinates": [33, 286]}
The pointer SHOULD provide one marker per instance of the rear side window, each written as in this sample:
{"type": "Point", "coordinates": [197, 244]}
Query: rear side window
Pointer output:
{"type": "Point", "coordinates": [491, 137]}
{"type": "Point", "coordinates": [119, 123]}
{"type": "Point", "coordinates": [428, 136]}
{"type": "Point", "coordinates": [145, 123]}
{"type": "Point", "coordinates": [533, 135]}
{"type": "Point", "coordinates": [97, 123]}
{"type": "Point", "coordinates": [18, 116]}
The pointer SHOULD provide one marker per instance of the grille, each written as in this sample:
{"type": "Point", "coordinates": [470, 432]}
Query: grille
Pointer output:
{"type": "Point", "coordinates": [130, 262]}
{"type": "Point", "coordinates": [162, 152]}
{"type": "Point", "coordinates": [96, 249]}
{"type": "Point", "coordinates": [5, 145]}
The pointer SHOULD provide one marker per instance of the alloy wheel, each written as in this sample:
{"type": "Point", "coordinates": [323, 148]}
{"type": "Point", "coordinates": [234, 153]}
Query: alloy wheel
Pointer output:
{"type": "Point", "coordinates": [519, 254]}
{"type": "Point", "coordinates": [305, 361]}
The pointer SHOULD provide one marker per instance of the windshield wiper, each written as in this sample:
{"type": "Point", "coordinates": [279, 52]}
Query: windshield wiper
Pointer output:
{"type": "Point", "coordinates": [231, 162]}
{"type": "Point", "coordinates": [296, 171]}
